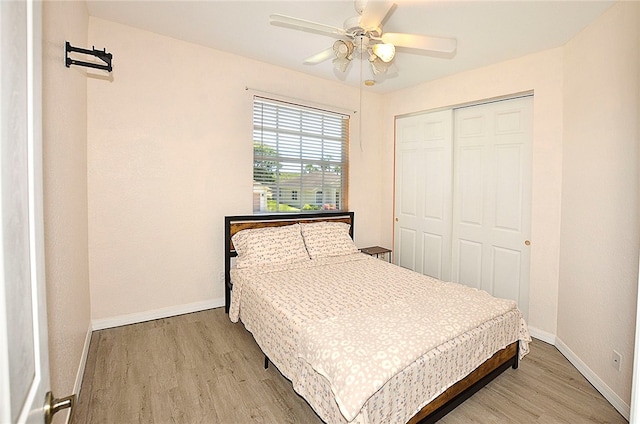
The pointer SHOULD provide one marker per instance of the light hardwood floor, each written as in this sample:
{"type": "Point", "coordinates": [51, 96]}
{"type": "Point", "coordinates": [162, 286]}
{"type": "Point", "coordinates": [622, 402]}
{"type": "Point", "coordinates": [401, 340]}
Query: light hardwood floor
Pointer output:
{"type": "Point", "coordinates": [201, 368]}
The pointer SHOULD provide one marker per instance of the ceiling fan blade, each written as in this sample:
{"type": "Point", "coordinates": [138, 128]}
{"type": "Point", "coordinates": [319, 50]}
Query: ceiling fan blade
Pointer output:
{"type": "Point", "coordinates": [320, 57]}
{"type": "Point", "coordinates": [304, 25]}
{"type": "Point", "coordinates": [422, 42]}
{"type": "Point", "coordinates": [374, 13]}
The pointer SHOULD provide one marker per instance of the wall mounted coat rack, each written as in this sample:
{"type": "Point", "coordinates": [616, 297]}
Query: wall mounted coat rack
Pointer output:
{"type": "Point", "coordinates": [100, 54]}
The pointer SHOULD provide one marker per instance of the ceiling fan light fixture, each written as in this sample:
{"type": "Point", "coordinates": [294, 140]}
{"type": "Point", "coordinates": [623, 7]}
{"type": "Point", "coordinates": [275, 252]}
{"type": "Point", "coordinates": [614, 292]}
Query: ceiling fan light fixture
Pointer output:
{"type": "Point", "coordinates": [385, 52]}
{"type": "Point", "coordinates": [377, 65]}
{"type": "Point", "coordinates": [341, 64]}
{"type": "Point", "coordinates": [343, 49]}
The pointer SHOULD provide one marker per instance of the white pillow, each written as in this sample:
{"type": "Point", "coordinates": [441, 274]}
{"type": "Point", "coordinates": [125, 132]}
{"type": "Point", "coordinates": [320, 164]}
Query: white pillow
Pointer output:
{"type": "Point", "coordinates": [269, 245]}
{"type": "Point", "coordinates": [324, 239]}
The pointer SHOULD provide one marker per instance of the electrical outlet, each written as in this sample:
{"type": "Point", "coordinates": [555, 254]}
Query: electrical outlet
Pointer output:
{"type": "Point", "coordinates": [616, 360]}
{"type": "Point", "coordinates": [221, 277]}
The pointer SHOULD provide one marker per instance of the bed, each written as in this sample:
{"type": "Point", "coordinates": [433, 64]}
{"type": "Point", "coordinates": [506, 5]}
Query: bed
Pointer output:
{"type": "Point", "coordinates": [362, 340]}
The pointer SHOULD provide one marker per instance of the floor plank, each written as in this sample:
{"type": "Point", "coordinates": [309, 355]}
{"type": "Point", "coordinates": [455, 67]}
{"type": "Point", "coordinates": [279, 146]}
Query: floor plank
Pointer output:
{"type": "Point", "coordinates": [201, 368]}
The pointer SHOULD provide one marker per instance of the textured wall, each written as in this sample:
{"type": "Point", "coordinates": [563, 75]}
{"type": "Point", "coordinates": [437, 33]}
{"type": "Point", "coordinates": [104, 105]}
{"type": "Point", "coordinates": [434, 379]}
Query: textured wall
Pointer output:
{"type": "Point", "coordinates": [65, 192]}
{"type": "Point", "coordinates": [600, 208]}
{"type": "Point", "coordinates": [170, 154]}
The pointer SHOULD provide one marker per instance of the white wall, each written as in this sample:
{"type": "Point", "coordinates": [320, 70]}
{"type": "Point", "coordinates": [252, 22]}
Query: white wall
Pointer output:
{"type": "Point", "coordinates": [541, 73]}
{"type": "Point", "coordinates": [600, 236]}
{"type": "Point", "coordinates": [65, 194]}
{"type": "Point", "coordinates": [170, 154]}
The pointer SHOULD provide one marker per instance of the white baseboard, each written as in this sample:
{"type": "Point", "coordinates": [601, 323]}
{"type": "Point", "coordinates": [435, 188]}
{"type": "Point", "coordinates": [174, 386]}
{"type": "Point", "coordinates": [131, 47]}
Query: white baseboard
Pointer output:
{"type": "Point", "coordinates": [117, 321]}
{"type": "Point", "coordinates": [600, 385]}
{"type": "Point", "coordinates": [77, 386]}
{"type": "Point", "coordinates": [542, 335]}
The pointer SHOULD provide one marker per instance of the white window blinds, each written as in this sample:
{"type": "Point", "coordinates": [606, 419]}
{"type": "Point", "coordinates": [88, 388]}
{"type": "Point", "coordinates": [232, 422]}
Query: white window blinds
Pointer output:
{"type": "Point", "coordinates": [300, 158]}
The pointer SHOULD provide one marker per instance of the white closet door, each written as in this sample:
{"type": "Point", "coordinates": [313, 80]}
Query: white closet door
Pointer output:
{"type": "Point", "coordinates": [492, 198]}
{"type": "Point", "coordinates": [423, 213]}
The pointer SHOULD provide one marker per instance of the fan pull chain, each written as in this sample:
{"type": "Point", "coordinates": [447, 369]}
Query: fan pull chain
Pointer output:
{"type": "Point", "coordinates": [360, 106]}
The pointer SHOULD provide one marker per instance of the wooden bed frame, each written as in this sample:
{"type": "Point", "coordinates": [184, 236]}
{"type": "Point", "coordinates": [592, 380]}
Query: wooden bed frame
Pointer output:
{"type": "Point", "coordinates": [234, 224]}
{"type": "Point", "coordinates": [437, 408]}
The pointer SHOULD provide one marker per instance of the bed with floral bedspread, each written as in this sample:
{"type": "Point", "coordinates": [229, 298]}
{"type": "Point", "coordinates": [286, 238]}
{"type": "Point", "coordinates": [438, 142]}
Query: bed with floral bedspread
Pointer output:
{"type": "Point", "coordinates": [362, 340]}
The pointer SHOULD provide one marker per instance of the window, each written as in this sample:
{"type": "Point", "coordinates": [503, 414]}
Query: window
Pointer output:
{"type": "Point", "coordinates": [299, 157]}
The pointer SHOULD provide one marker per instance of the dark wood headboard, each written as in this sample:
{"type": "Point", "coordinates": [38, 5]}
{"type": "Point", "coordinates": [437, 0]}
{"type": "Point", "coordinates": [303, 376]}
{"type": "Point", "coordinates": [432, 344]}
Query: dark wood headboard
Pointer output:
{"type": "Point", "coordinates": [234, 224]}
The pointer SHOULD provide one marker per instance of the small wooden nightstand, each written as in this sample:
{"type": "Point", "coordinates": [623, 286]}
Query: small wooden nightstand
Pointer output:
{"type": "Point", "coordinates": [377, 251]}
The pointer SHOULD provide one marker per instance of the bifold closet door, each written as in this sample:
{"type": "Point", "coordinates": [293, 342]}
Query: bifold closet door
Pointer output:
{"type": "Point", "coordinates": [492, 198]}
{"type": "Point", "coordinates": [422, 240]}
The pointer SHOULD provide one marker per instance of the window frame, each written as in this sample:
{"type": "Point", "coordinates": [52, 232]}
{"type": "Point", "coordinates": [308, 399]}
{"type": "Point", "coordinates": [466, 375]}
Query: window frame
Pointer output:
{"type": "Point", "coordinates": [280, 131]}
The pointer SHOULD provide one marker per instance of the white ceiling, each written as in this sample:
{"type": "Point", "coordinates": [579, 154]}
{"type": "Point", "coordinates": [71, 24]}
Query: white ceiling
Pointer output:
{"type": "Point", "coordinates": [487, 31]}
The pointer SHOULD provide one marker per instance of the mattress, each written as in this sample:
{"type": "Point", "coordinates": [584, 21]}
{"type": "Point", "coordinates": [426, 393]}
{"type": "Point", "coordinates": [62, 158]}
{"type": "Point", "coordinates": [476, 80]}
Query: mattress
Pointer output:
{"type": "Point", "coordinates": [365, 341]}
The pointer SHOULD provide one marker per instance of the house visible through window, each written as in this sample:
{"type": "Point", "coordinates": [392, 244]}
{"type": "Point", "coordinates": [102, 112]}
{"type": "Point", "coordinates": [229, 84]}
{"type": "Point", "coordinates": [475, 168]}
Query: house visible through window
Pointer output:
{"type": "Point", "coordinates": [299, 158]}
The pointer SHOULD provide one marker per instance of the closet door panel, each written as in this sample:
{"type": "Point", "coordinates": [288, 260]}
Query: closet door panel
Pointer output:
{"type": "Point", "coordinates": [435, 181]}
{"type": "Point", "coordinates": [505, 281]}
{"type": "Point", "coordinates": [405, 247]}
{"type": "Point", "coordinates": [492, 198]}
{"type": "Point", "coordinates": [423, 187]}
{"type": "Point", "coordinates": [508, 188]}
{"type": "Point", "coordinates": [435, 207]}
{"type": "Point", "coordinates": [407, 205]}
{"type": "Point", "coordinates": [432, 248]}
{"type": "Point", "coordinates": [409, 161]}
{"type": "Point", "coordinates": [469, 265]}
{"type": "Point", "coordinates": [471, 178]}
{"type": "Point", "coordinates": [471, 126]}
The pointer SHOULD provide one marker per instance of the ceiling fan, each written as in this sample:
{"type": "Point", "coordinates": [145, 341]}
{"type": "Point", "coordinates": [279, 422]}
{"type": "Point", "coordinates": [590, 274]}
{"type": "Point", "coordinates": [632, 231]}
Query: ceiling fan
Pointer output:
{"type": "Point", "coordinates": [362, 36]}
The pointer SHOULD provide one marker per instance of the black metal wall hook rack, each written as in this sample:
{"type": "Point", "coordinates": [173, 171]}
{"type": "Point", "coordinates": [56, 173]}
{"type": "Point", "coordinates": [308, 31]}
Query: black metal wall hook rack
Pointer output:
{"type": "Point", "coordinates": [100, 54]}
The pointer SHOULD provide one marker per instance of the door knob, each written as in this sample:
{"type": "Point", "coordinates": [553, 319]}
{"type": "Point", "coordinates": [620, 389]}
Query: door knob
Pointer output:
{"type": "Point", "coordinates": [396, 219]}
{"type": "Point", "coordinates": [53, 405]}
{"type": "Point", "coordinates": [527, 242]}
